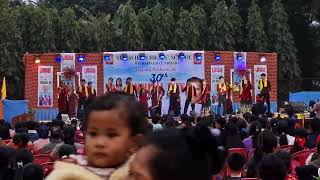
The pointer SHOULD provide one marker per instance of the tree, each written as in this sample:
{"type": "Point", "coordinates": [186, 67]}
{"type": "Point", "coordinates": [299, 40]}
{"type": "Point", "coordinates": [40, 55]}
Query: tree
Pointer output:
{"type": "Point", "coordinates": [128, 29]}
{"type": "Point", "coordinates": [238, 27]}
{"type": "Point", "coordinates": [36, 27]}
{"type": "Point", "coordinates": [281, 41]}
{"type": "Point", "coordinates": [104, 33]}
{"type": "Point", "coordinates": [256, 36]}
{"type": "Point", "coordinates": [221, 29]}
{"type": "Point", "coordinates": [145, 22]}
{"type": "Point", "coordinates": [10, 52]}
{"type": "Point", "coordinates": [67, 31]}
{"type": "Point", "coordinates": [199, 18]}
{"type": "Point", "coordinates": [186, 33]}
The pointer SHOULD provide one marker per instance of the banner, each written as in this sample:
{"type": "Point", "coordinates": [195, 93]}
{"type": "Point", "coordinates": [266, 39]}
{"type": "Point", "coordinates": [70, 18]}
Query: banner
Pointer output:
{"type": "Point", "coordinates": [68, 60]}
{"type": "Point", "coordinates": [146, 66]}
{"type": "Point", "coordinates": [45, 86]}
{"type": "Point", "coordinates": [258, 70]}
{"type": "Point", "coordinates": [89, 73]}
{"type": "Point", "coordinates": [216, 72]}
{"type": "Point", "coordinates": [240, 66]}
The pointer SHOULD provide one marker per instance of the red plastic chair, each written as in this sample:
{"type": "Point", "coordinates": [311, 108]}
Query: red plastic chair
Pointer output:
{"type": "Point", "coordinates": [250, 154]}
{"type": "Point", "coordinates": [42, 158]}
{"type": "Point", "coordinates": [241, 151]}
{"type": "Point", "coordinates": [299, 158]}
{"type": "Point", "coordinates": [286, 147]}
{"type": "Point", "coordinates": [47, 168]}
{"type": "Point", "coordinates": [7, 141]}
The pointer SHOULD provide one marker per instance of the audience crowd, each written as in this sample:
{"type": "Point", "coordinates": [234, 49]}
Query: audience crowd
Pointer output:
{"type": "Point", "coordinates": [116, 142]}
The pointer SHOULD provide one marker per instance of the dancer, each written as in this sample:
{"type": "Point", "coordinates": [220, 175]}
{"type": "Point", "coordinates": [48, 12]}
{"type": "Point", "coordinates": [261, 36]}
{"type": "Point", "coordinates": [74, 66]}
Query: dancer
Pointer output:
{"type": "Point", "coordinates": [110, 88]}
{"type": "Point", "coordinates": [143, 98]}
{"type": "Point", "coordinates": [265, 88]}
{"type": "Point", "coordinates": [190, 92]}
{"type": "Point", "coordinates": [174, 95]}
{"type": "Point", "coordinates": [222, 94]}
{"type": "Point", "coordinates": [72, 102]}
{"type": "Point", "coordinates": [62, 100]}
{"type": "Point", "coordinates": [119, 87]}
{"type": "Point", "coordinates": [205, 98]}
{"type": "Point", "coordinates": [82, 97]}
{"type": "Point", "coordinates": [157, 93]}
{"type": "Point", "coordinates": [130, 88]}
{"type": "Point", "coordinates": [245, 95]}
{"type": "Point", "coordinates": [91, 94]}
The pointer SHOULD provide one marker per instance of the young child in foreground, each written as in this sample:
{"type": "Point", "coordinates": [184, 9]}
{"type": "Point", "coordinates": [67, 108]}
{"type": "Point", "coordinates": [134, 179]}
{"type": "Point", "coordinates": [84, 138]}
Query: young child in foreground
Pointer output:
{"type": "Point", "coordinates": [114, 131]}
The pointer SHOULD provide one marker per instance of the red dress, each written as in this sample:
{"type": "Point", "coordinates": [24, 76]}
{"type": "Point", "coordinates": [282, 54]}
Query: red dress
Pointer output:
{"type": "Point", "coordinates": [143, 98]}
{"type": "Point", "coordinates": [63, 100]}
{"type": "Point", "coordinates": [246, 96]}
{"type": "Point", "coordinates": [111, 89]}
{"type": "Point", "coordinates": [156, 93]}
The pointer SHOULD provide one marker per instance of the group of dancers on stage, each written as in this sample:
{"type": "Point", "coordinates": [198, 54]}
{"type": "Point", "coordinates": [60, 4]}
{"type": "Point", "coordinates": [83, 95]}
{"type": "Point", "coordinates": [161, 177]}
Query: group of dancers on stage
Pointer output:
{"type": "Point", "coordinates": [197, 92]}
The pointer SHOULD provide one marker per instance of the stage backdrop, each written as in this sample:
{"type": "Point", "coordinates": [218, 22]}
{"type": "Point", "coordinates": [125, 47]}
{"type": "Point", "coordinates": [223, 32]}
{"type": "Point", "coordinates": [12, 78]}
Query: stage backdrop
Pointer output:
{"type": "Point", "coordinates": [154, 68]}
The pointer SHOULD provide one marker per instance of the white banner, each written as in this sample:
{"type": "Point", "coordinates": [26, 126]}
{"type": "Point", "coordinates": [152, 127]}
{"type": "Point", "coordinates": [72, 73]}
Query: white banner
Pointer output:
{"type": "Point", "coordinates": [258, 70]}
{"type": "Point", "coordinates": [89, 73]}
{"type": "Point", "coordinates": [216, 72]}
{"type": "Point", "coordinates": [68, 60]}
{"type": "Point", "coordinates": [45, 86]}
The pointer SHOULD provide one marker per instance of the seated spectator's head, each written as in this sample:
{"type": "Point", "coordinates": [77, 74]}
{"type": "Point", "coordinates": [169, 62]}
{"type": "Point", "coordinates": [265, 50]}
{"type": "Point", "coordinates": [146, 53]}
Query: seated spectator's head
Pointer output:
{"type": "Point", "coordinates": [20, 140]}
{"type": "Point", "coordinates": [220, 123]}
{"type": "Point", "coordinates": [23, 157]}
{"type": "Point", "coordinates": [55, 132]}
{"type": "Point", "coordinates": [65, 150]}
{"type": "Point", "coordinates": [43, 132]}
{"type": "Point", "coordinates": [31, 125]}
{"type": "Point", "coordinates": [33, 171]}
{"type": "Point", "coordinates": [4, 132]}
{"type": "Point", "coordinates": [236, 162]}
{"type": "Point", "coordinates": [156, 119]}
{"type": "Point", "coordinates": [283, 131]}
{"type": "Point", "coordinates": [68, 135]}
{"type": "Point", "coordinates": [272, 168]}
{"type": "Point", "coordinates": [264, 122]}
{"type": "Point", "coordinates": [269, 142]}
{"type": "Point", "coordinates": [246, 116]}
{"type": "Point", "coordinates": [4, 157]}
{"type": "Point", "coordinates": [186, 154]}
{"type": "Point", "coordinates": [253, 118]}
{"type": "Point", "coordinates": [205, 122]}
{"type": "Point", "coordinates": [286, 158]}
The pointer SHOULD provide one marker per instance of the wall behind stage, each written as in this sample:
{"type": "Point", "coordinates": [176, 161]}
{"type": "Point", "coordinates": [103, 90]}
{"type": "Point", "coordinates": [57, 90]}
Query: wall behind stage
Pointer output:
{"type": "Point", "coordinates": [31, 70]}
{"type": "Point", "coordinates": [253, 58]}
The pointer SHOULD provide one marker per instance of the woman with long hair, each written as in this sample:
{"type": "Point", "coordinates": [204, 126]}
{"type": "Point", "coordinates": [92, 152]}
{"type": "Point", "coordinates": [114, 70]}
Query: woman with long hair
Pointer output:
{"type": "Point", "coordinates": [119, 87]}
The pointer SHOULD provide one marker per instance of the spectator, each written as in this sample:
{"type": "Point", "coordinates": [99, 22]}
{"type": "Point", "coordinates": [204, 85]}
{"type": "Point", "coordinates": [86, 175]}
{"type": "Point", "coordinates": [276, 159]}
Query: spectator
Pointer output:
{"type": "Point", "coordinates": [23, 157]}
{"type": "Point", "coordinates": [242, 126]}
{"type": "Point", "coordinates": [172, 154]}
{"type": "Point", "coordinates": [307, 172]}
{"type": "Point", "coordinates": [4, 132]}
{"type": "Point", "coordinates": [231, 137]}
{"type": "Point", "coordinates": [220, 123]}
{"type": "Point", "coordinates": [284, 137]}
{"type": "Point", "coordinates": [68, 138]}
{"type": "Point", "coordinates": [286, 158]}
{"type": "Point", "coordinates": [272, 168]}
{"type": "Point", "coordinates": [33, 135]}
{"type": "Point", "coordinates": [20, 141]}
{"type": "Point", "coordinates": [267, 143]}
{"type": "Point", "coordinates": [5, 171]}
{"type": "Point", "coordinates": [65, 150]}
{"type": "Point", "coordinates": [251, 141]}
{"type": "Point", "coordinates": [32, 171]}
{"type": "Point", "coordinates": [43, 133]}
{"type": "Point", "coordinates": [314, 158]}
{"type": "Point", "coordinates": [316, 108]}
{"type": "Point", "coordinates": [299, 141]}
{"type": "Point", "coordinates": [55, 138]}
{"type": "Point", "coordinates": [315, 130]}
{"type": "Point", "coordinates": [236, 164]}
{"type": "Point", "coordinates": [186, 121]}
{"type": "Point", "coordinates": [156, 123]}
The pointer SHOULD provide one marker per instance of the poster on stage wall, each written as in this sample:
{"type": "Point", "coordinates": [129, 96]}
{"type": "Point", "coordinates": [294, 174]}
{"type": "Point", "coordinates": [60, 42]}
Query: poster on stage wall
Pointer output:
{"type": "Point", "coordinates": [152, 67]}
{"type": "Point", "coordinates": [239, 65]}
{"type": "Point", "coordinates": [89, 73]}
{"type": "Point", "coordinates": [68, 60]}
{"type": "Point", "coordinates": [258, 70]}
{"type": "Point", "coordinates": [216, 72]}
{"type": "Point", "coordinates": [45, 86]}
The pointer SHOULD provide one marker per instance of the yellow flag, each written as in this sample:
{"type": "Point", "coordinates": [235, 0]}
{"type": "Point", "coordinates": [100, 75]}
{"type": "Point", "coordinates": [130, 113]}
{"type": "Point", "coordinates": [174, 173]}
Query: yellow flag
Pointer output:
{"type": "Point", "coordinates": [4, 89]}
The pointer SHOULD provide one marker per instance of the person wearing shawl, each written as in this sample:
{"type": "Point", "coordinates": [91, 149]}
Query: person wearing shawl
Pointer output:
{"type": "Point", "coordinates": [205, 98]}
{"type": "Point", "coordinates": [157, 93]}
{"type": "Point", "coordinates": [222, 94]}
{"type": "Point", "coordinates": [62, 100]}
{"type": "Point", "coordinates": [110, 88]}
{"type": "Point", "coordinates": [143, 98]}
{"type": "Point", "coordinates": [245, 95]}
{"type": "Point", "coordinates": [130, 88]}
{"type": "Point", "coordinates": [91, 94]}
{"type": "Point", "coordinates": [72, 102]}
{"type": "Point", "coordinates": [174, 95]}
{"type": "Point", "coordinates": [81, 91]}
{"type": "Point", "coordinates": [265, 88]}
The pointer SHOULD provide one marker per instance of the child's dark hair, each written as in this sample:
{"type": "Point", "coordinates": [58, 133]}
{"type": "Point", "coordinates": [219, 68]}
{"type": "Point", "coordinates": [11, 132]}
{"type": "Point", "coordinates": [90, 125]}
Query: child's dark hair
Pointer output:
{"type": "Point", "coordinates": [33, 171]}
{"type": "Point", "coordinates": [283, 131]}
{"type": "Point", "coordinates": [43, 132]}
{"type": "Point", "coordinates": [66, 150]}
{"type": "Point", "coordinates": [156, 119]}
{"type": "Point", "coordinates": [186, 154]}
{"type": "Point", "coordinates": [221, 121]}
{"type": "Point", "coordinates": [236, 161]}
{"type": "Point", "coordinates": [21, 139]}
{"type": "Point", "coordinates": [68, 136]}
{"type": "Point", "coordinates": [272, 168]}
{"type": "Point", "coordinates": [128, 104]}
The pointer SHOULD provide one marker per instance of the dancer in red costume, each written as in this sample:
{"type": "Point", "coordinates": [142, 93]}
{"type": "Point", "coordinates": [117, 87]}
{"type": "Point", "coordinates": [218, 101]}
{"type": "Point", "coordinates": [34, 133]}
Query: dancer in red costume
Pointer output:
{"type": "Point", "coordinates": [245, 95]}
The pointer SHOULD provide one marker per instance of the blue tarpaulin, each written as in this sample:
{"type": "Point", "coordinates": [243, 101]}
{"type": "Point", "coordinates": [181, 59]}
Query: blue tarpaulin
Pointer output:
{"type": "Point", "coordinates": [304, 96]}
{"type": "Point", "coordinates": [14, 108]}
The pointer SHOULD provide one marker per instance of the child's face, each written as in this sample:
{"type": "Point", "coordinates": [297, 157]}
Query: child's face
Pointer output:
{"type": "Point", "coordinates": [140, 166]}
{"type": "Point", "coordinates": [108, 139]}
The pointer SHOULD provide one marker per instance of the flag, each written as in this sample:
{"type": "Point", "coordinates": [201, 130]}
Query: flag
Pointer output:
{"type": "Point", "coordinates": [4, 89]}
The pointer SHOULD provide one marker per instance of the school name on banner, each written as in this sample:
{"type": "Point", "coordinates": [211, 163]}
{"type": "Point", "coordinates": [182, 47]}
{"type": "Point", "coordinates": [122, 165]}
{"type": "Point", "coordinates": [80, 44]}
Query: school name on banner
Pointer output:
{"type": "Point", "coordinates": [89, 73]}
{"type": "Point", "coordinates": [45, 86]}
